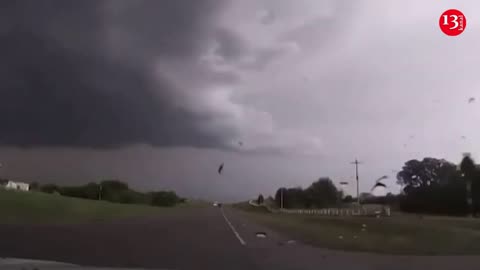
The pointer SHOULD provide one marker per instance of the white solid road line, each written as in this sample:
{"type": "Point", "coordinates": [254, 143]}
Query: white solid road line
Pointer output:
{"type": "Point", "coordinates": [233, 228]}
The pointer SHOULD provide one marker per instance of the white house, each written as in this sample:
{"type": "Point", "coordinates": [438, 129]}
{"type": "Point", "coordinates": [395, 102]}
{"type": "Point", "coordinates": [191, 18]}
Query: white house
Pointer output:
{"type": "Point", "coordinates": [17, 186]}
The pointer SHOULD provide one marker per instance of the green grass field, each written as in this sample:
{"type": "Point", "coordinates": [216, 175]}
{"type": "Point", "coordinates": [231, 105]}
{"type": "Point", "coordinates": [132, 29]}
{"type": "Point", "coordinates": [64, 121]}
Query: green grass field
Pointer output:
{"type": "Point", "coordinates": [37, 207]}
{"type": "Point", "coordinates": [394, 235]}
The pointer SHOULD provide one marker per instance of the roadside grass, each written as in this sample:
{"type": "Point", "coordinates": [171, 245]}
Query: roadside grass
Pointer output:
{"type": "Point", "coordinates": [392, 235]}
{"type": "Point", "coordinates": [37, 207]}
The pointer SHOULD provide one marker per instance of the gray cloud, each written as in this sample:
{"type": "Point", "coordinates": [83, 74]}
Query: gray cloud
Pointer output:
{"type": "Point", "coordinates": [78, 73]}
{"type": "Point", "coordinates": [229, 45]}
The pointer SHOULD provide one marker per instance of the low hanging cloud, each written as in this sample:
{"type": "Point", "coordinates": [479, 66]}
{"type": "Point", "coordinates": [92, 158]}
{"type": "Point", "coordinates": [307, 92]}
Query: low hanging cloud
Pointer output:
{"type": "Point", "coordinates": [110, 73]}
{"type": "Point", "coordinates": [77, 73]}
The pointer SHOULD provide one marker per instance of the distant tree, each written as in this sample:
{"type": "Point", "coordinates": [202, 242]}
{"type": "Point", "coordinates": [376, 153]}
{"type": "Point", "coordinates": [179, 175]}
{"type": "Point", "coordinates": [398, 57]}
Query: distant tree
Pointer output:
{"type": "Point", "coordinates": [34, 186]}
{"type": "Point", "coordinates": [348, 199]}
{"type": "Point", "coordinates": [467, 166]}
{"type": "Point", "coordinates": [432, 186]}
{"type": "Point", "coordinates": [164, 198]}
{"type": "Point", "coordinates": [114, 185]}
{"type": "Point", "coordinates": [295, 198]}
{"type": "Point", "coordinates": [114, 191]}
{"type": "Point", "coordinates": [292, 197]}
{"type": "Point", "coordinates": [92, 191]}
{"type": "Point", "coordinates": [50, 188]}
{"type": "Point", "coordinates": [278, 196]}
{"type": "Point", "coordinates": [429, 171]}
{"type": "Point", "coordinates": [322, 193]}
{"type": "Point", "coordinates": [365, 197]}
{"type": "Point", "coordinates": [260, 199]}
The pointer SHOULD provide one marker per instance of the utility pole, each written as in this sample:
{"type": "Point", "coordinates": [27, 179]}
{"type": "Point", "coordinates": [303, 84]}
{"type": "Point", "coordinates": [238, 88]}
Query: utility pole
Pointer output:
{"type": "Point", "coordinates": [356, 162]}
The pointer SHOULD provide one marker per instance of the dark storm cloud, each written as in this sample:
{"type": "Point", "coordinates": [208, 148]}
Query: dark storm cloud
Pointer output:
{"type": "Point", "coordinates": [77, 73]}
{"type": "Point", "coordinates": [238, 51]}
{"type": "Point", "coordinates": [230, 45]}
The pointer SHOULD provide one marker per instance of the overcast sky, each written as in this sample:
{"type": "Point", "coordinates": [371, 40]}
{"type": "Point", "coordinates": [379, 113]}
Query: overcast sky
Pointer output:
{"type": "Point", "coordinates": [159, 93]}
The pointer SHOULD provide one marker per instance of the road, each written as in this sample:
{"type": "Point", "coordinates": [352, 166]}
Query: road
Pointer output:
{"type": "Point", "coordinates": [196, 238]}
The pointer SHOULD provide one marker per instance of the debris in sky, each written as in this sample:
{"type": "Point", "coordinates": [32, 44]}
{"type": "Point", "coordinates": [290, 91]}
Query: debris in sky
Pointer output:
{"type": "Point", "coordinates": [404, 145]}
{"type": "Point", "coordinates": [240, 143]}
{"type": "Point", "coordinates": [379, 184]}
{"type": "Point", "coordinates": [343, 183]}
{"type": "Point", "coordinates": [220, 169]}
{"type": "Point", "coordinates": [382, 178]}
{"type": "Point", "coordinates": [412, 137]}
{"type": "Point", "coordinates": [471, 100]}
{"type": "Point", "coordinates": [463, 137]}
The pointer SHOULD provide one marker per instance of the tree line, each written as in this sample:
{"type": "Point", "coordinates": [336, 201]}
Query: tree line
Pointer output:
{"type": "Point", "coordinates": [440, 187]}
{"type": "Point", "coordinates": [321, 193]}
{"type": "Point", "coordinates": [113, 191]}
{"type": "Point", "coordinates": [430, 186]}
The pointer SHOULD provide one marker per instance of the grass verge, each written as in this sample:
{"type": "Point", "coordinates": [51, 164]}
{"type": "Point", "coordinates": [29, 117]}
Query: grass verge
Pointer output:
{"type": "Point", "coordinates": [36, 207]}
{"type": "Point", "coordinates": [395, 235]}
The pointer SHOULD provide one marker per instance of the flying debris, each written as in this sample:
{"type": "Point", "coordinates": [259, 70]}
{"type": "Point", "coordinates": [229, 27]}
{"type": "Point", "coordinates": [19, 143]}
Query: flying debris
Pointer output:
{"type": "Point", "coordinates": [378, 183]}
{"type": "Point", "coordinates": [404, 145]}
{"type": "Point", "coordinates": [240, 143]}
{"type": "Point", "coordinates": [412, 137]}
{"type": "Point", "coordinates": [344, 183]}
{"type": "Point", "coordinates": [463, 137]}
{"type": "Point", "coordinates": [220, 169]}
{"type": "Point", "coordinates": [382, 178]}
{"type": "Point", "coordinates": [471, 100]}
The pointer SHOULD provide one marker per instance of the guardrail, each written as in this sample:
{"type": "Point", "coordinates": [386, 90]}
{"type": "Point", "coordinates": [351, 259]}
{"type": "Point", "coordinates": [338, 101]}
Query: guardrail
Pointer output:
{"type": "Point", "coordinates": [369, 210]}
{"type": "Point", "coordinates": [360, 211]}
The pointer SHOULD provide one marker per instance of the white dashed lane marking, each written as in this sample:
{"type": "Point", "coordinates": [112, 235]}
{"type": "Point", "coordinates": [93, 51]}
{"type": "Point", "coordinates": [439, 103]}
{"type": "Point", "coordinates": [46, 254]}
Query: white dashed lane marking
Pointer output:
{"type": "Point", "coordinates": [233, 228]}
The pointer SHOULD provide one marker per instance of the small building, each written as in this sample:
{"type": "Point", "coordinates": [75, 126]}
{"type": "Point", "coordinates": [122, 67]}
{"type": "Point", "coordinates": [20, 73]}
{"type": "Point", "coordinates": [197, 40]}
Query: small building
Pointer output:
{"type": "Point", "coordinates": [12, 185]}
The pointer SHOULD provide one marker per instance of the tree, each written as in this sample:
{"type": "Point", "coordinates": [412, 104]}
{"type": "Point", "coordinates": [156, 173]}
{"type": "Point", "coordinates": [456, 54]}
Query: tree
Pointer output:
{"type": "Point", "coordinates": [260, 199]}
{"type": "Point", "coordinates": [50, 188]}
{"type": "Point", "coordinates": [114, 190]}
{"type": "Point", "coordinates": [164, 198]}
{"type": "Point", "coordinates": [322, 193]}
{"type": "Point", "coordinates": [34, 186]}
{"type": "Point", "coordinates": [432, 186]}
{"type": "Point", "coordinates": [429, 171]}
{"type": "Point", "coordinates": [278, 196]}
{"type": "Point", "coordinates": [292, 197]}
{"type": "Point", "coordinates": [467, 166]}
{"type": "Point", "coordinates": [114, 185]}
{"type": "Point", "coordinates": [348, 199]}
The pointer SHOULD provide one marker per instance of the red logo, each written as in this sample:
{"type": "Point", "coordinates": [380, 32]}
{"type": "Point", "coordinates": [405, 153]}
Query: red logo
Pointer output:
{"type": "Point", "coordinates": [452, 22]}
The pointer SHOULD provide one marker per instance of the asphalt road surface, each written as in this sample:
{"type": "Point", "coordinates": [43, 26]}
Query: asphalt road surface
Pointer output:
{"type": "Point", "coordinates": [197, 238]}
